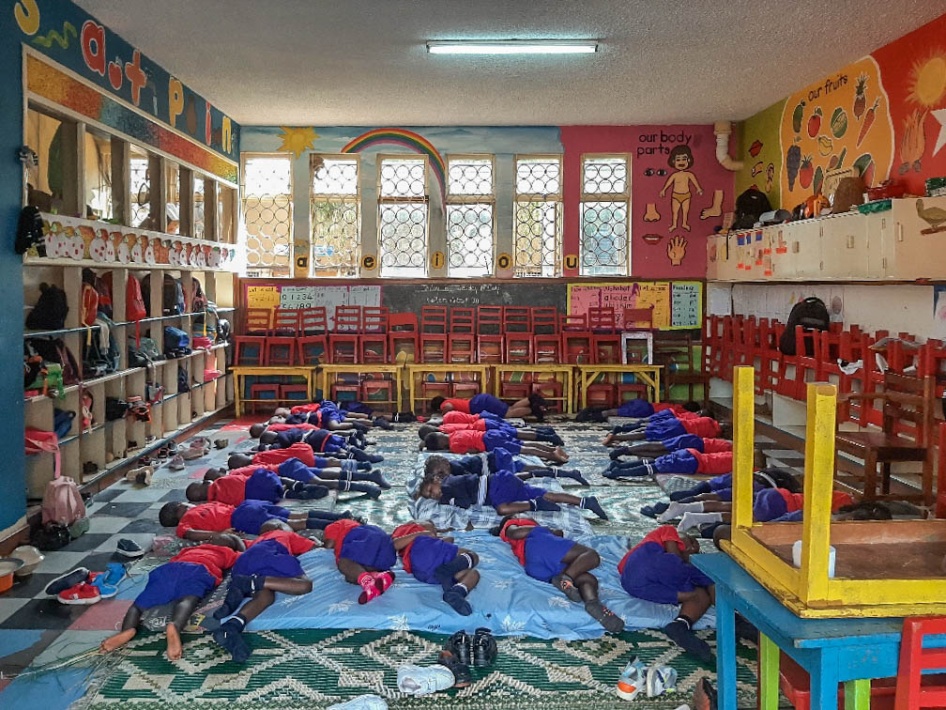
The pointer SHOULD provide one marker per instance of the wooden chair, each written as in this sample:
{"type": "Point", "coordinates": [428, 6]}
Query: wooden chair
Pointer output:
{"type": "Point", "coordinates": [906, 434]}
{"type": "Point", "coordinates": [638, 324]}
{"type": "Point", "coordinates": [914, 690]}
{"type": "Point", "coordinates": [461, 348]}
{"type": "Point", "coordinates": [403, 336]}
{"type": "Point", "coordinates": [433, 334]}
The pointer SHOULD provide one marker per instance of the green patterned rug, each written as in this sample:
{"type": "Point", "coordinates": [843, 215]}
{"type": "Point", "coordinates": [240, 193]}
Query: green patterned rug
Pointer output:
{"type": "Point", "coordinates": [314, 669]}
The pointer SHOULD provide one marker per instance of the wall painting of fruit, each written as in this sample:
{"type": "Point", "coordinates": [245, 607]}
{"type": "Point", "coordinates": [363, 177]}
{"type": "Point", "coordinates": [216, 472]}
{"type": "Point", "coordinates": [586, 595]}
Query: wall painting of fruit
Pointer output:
{"type": "Point", "coordinates": [829, 122]}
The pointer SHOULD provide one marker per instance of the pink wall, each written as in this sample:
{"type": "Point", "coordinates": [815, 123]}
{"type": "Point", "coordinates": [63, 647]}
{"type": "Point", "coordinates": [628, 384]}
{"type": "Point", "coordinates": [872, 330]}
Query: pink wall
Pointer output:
{"type": "Point", "coordinates": [649, 148]}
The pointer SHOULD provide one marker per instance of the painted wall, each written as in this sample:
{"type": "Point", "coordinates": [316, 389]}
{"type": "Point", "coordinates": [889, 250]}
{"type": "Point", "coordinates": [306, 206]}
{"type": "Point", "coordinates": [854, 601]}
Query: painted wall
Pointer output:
{"type": "Point", "coordinates": [884, 114]}
{"type": "Point", "coordinates": [657, 251]}
{"type": "Point", "coordinates": [74, 39]}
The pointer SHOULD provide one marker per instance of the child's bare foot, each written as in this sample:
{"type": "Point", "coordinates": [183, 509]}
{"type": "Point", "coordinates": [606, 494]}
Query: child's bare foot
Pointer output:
{"type": "Point", "coordinates": [175, 648]}
{"type": "Point", "coordinates": [609, 439]}
{"type": "Point", "coordinates": [560, 454]}
{"type": "Point", "coordinates": [117, 641]}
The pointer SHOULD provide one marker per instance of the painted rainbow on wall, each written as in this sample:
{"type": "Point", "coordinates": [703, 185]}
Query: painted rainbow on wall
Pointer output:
{"type": "Point", "coordinates": [407, 139]}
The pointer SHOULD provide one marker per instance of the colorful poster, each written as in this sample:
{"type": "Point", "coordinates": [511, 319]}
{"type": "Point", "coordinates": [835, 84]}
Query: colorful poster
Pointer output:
{"type": "Point", "coordinates": [675, 305]}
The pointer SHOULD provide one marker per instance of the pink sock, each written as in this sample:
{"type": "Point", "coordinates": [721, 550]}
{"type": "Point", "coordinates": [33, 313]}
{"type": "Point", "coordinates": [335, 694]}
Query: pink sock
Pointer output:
{"type": "Point", "coordinates": [384, 580]}
{"type": "Point", "coordinates": [370, 586]}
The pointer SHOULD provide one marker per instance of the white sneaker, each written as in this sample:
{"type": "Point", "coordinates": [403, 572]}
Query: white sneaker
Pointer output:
{"type": "Point", "coordinates": [632, 680]}
{"type": "Point", "coordinates": [362, 702]}
{"type": "Point", "coordinates": [660, 680]}
{"type": "Point", "coordinates": [417, 681]}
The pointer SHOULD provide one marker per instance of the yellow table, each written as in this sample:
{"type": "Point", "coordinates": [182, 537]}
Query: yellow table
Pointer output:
{"type": "Point", "coordinates": [330, 371]}
{"type": "Point", "coordinates": [563, 374]}
{"type": "Point", "coordinates": [240, 372]}
{"type": "Point", "coordinates": [647, 374]}
{"type": "Point", "coordinates": [416, 371]}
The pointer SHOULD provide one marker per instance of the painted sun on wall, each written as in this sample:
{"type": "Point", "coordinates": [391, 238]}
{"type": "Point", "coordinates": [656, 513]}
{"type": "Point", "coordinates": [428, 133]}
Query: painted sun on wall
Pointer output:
{"type": "Point", "coordinates": [843, 122]}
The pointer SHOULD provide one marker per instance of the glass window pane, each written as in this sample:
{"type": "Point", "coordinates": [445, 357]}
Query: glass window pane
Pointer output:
{"type": "Point", "coordinates": [267, 214]}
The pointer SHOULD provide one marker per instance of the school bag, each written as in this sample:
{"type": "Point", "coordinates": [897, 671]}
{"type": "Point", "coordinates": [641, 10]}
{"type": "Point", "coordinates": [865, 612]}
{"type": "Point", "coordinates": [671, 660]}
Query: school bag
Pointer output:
{"type": "Point", "coordinates": [103, 285]}
{"type": "Point", "coordinates": [62, 502]}
{"type": "Point", "coordinates": [29, 231]}
{"type": "Point", "coordinates": [810, 314]}
{"type": "Point", "coordinates": [100, 356]}
{"type": "Point", "coordinates": [198, 299]}
{"type": "Point", "coordinates": [177, 343]}
{"type": "Point", "coordinates": [90, 298]}
{"type": "Point", "coordinates": [50, 310]}
{"type": "Point", "coordinates": [54, 351]}
{"type": "Point", "coordinates": [750, 206]}
{"type": "Point", "coordinates": [172, 295]}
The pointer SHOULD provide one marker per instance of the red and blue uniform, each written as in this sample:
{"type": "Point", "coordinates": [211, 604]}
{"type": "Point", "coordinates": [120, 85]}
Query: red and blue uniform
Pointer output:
{"type": "Point", "coordinates": [249, 516]}
{"type": "Point", "coordinates": [366, 545]}
{"type": "Point", "coordinates": [213, 517]}
{"type": "Point", "coordinates": [273, 554]}
{"type": "Point", "coordinates": [478, 404]}
{"type": "Point", "coordinates": [651, 573]}
{"type": "Point", "coordinates": [693, 461]}
{"type": "Point", "coordinates": [691, 441]}
{"type": "Point", "coordinates": [193, 572]}
{"type": "Point", "coordinates": [300, 451]}
{"type": "Point", "coordinates": [541, 552]}
{"type": "Point", "coordinates": [425, 553]}
{"type": "Point", "coordinates": [469, 441]}
{"type": "Point", "coordinates": [233, 489]}
{"type": "Point", "coordinates": [779, 504]}
{"type": "Point", "coordinates": [705, 427]}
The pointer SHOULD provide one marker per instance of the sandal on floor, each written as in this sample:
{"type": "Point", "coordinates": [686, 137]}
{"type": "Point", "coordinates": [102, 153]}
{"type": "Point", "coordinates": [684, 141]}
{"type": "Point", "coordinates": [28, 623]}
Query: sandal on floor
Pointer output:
{"type": "Point", "coordinates": [141, 475]}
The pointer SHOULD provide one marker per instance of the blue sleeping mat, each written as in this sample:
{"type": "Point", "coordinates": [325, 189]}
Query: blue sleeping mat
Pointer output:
{"type": "Point", "coordinates": [506, 601]}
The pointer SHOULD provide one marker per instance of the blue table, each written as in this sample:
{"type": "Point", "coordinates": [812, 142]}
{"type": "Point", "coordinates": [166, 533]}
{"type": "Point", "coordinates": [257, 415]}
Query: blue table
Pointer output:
{"type": "Point", "coordinates": [832, 650]}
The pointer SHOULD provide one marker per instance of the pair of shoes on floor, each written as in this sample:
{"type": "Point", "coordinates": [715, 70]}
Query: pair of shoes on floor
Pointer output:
{"type": "Point", "coordinates": [74, 589]}
{"type": "Point", "coordinates": [637, 679]}
{"type": "Point", "coordinates": [419, 681]}
{"type": "Point", "coordinates": [477, 649]}
{"type": "Point", "coordinates": [141, 475]}
{"type": "Point", "coordinates": [362, 702]}
{"type": "Point", "coordinates": [107, 582]}
{"type": "Point", "coordinates": [177, 463]}
{"type": "Point", "coordinates": [196, 447]}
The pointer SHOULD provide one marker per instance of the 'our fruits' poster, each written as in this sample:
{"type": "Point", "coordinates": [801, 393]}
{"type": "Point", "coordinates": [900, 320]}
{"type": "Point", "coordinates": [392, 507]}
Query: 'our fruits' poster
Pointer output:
{"type": "Point", "coordinates": [840, 122]}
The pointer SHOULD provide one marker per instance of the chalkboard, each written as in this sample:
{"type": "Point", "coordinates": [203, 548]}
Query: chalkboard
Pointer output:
{"type": "Point", "coordinates": [676, 304]}
{"type": "Point", "coordinates": [411, 296]}
{"type": "Point", "coordinates": [309, 295]}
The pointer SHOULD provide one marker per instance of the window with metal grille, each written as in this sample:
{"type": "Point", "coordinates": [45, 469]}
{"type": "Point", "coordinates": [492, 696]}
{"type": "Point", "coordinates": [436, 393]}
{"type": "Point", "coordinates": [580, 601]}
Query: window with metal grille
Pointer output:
{"type": "Point", "coordinates": [402, 215]}
{"type": "Point", "coordinates": [470, 206]}
{"type": "Point", "coordinates": [335, 210]}
{"type": "Point", "coordinates": [538, 215]}
{"type": "Point", "coordinates": [267, 214]}
{"type": "Point", "coordinates": [605, 202]}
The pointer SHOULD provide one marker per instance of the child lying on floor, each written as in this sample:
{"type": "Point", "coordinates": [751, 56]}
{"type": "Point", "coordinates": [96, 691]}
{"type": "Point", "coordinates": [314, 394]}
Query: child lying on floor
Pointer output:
{"type": "Point", "coordinates": [547, 555]}
{"type": "Point", "coordinates": [322, 441]}
{"type": "Point", "coordinates": [266, 485]}
{"type": "Point", "coordinates": [458, 421]}
{"type": "Point", "coordinates": [667, 427]}
{"type": "Point", "coordinates": [309, 413]}
{"type": "Point", "coordinates": [653, 449]}
{"type": "Point", "coordinates": [658, 570]}
{"type": "Point", "coordinates": [685, 461]}
{"type": "Point", "coordinates": [435, 560]}
{"type": "Point", "coordinates": [473, 442]}
{"type": "Point", "coordinates": [269, 565]}
{"type": "Point", "coordinates": [440, 467]}
{"type": "Point", "coordinates": [183, 580]}
{"type": "Point", "coordinates": [202, 522]}
{"type": "Point", "coordinates": [504, 492]}
{"type": "Point", "coordinates": [534, 405]}
{"type": "Point", "coordinates": [635, 409]}
{"type": "Point", "coordinates": [364, 554]}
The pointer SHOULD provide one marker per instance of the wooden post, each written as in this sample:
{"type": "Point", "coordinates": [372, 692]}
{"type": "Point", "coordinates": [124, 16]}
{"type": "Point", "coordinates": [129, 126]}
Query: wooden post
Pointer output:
{"type": "Point", "coordinates": [743, 442]}
{"type": "Point", "coordinates": [819, 487]}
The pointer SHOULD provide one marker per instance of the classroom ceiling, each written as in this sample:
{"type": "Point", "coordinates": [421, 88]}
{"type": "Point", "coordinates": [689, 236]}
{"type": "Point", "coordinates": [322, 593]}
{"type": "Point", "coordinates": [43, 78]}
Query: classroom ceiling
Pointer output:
{"type": "Point", "coordinates": [364, 62]}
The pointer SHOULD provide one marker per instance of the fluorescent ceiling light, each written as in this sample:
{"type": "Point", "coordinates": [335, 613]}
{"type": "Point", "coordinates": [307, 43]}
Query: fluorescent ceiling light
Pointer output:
{"type": "Point", "coordinates": [551, 46]}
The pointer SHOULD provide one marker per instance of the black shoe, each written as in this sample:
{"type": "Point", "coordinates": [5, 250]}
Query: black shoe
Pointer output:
{"type": "Point", "coordinates": [382, 423]}
{"type": "Point", "coordinates": [461, 645]}
{"type": "Point", "coordinates": [618, 452]}
{"type": "Point", "coordinates": [484, 648]}
{"type": "Point", "coordinates": [461, 671]}
{"type": "Point", "coordinates": [64, 581]}
{"type": "Point", "coordinates": [129, 548]}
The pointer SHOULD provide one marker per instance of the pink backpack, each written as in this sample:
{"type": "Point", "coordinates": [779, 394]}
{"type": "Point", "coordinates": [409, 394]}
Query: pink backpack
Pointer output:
{"type": "Point", "coordinates": [62, 502]}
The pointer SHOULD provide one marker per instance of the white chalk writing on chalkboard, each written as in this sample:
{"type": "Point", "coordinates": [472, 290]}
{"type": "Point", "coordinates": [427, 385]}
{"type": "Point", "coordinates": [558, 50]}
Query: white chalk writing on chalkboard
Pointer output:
{"type": "Point", "coordinates": [686, 305]}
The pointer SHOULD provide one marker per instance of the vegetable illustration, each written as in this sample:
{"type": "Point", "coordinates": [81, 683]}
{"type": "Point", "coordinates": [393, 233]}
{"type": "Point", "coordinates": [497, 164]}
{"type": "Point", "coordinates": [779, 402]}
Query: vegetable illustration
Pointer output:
{"type": "Point", "coordinates": [860, 100]}
{"type": "Point", "coordinates": [864, 166]}
{"type": "Point", "coordinates": [792, 163]}
{"type": "Point", "coordinates": [758, 168]}
{"type": "Point", "coordinates": [839, 123]}
{"type": "Point", "coordinates": [913, 142]}
{"type": "Point", "coordinates": [818, 181]}
{"type": "Point", "coordinates": [797, 115]}
{"type": "Point", "coordinates": [755, 148]}
{"type": "Point", "coordinates": [825, 146]}
{"type": "Point", "coordinates": [814, 123]}
{"type": "Point", "coordinates": [836, 160]}
{"type": "Point", "coordinates": [869, 119]}
{"type": "Point", "coordinates": [806, 173]}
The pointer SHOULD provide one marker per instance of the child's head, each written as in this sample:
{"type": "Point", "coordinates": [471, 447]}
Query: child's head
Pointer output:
{"type": "Point", "coordinates": [759, 459]}
{"type": "Point", "coordinates": [282, 412]}
{"type": "Point", "coordinates": [426, 429]}
{"type": "Point", "coordinates": [725, 430]}
{"type": "Point", "coordinates": [214, 473]}
{"type": "Point", "coordinates": [691, 406]}
{"type": "Point", "coordinates": [681, 157]}
{"type": "Point", "coordinates": [437, 441]}
{"type": "Point", "coordinates": [497, 529]}
{"type": "Point", "coordinates": [691, 545]}
{"type": "Point", "coordinates": [435, 404]}
{"type": "Point", "coordinates": [430, 489]}
{"type": "Point", "coordinates": [865, 510]}
{"type": "Point", "coordinates": [267, 437]}
{"type": "Point", "coordinates": [274, 524]}
{"type": "Point", "coordinates": [782, 478]}
{"type": "Point", "coordinates": [196, 492]}
{"type": "Point", "coordinates": [171, 513]}
{"type": "Point", "coordinates": [238, 461]}
{"type": "Point", "coordinates": [256, 430]}
{"type": "Point", "coordinates": [436, 467]}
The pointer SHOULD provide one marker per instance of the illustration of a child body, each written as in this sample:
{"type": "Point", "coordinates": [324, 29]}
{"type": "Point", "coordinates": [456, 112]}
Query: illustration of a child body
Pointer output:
{"type": "Point", "coordinates": [681, 159]}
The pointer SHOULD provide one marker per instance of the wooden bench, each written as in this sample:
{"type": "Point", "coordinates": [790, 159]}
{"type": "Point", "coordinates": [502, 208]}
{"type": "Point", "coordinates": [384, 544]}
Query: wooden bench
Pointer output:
{"type": "Point", "coordinates": [905, 435]}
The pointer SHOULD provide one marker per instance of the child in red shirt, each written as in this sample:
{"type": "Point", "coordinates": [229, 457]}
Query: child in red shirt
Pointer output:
{"type": "Point", "coordinates": [184, 580]}
{"type": "Point", "coordinates": [364, 554]}
{"type": "Point", "coordinates": [472, 442]}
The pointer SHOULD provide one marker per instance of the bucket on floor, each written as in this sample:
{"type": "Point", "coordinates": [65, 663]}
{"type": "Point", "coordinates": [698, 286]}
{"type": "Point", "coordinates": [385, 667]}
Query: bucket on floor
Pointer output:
{"type": "Point", "coordinates": [796, 557]}
{"type": "Point", "coordinates": [8, 565]}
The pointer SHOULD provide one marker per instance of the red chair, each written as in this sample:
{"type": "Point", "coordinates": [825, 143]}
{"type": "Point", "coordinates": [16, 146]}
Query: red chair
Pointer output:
{"type": "Point", "coordinates": [373, 344]}
{"type": "Point", "coordinates": [547, 337]}
{"type": "Point", "coordinates": [606, 341]}
{"type": "Point", "coordinates": [345, 339]}
{"type": "Point", "coordinates": [712, 345]}
{"type": "Point", "coordinates": [313, 342]}
{"type": "Point", "coordinates": [795, 684]}
{"type": "Point", "coordinates": [461, 347]}
{"type": "Point", "coordinates": [287, 322]}
{"type": "Point", "coordinates": [250, 347]}
{"type": "Point", "coordinates": [548, 386]}
{"type": "Point", "coordinates": [518, 335]}
{"type": "Point", "coordinates": [914, 690]}
{"type": "Point", "coordinates": [515, 385]}
{"type": "Point", "coordinates": [577, 345]}
{"type": "Point", "coordinates": [433, 334]}
{"type": "Point", "coordinates": [804, 361]}
{"type": "Point", "coordinates": [280, 350]}
{"type": "Point", "coordinates": [489, 335]}
{"type": "Point", "coordinates": [257, 321]}
{"type": "Point", "coordinates": [726, 344]}
{"type": "Point", "coordinates": [403, 336]}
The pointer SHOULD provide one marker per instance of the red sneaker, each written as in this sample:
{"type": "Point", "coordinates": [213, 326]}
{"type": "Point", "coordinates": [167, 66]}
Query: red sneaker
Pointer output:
{"type": "Point", "coordinates": [80, 595]}
{"type": "Point", "coordinates": [370, 586]}
{"type": "Point", "coordinates": [384, 580]}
